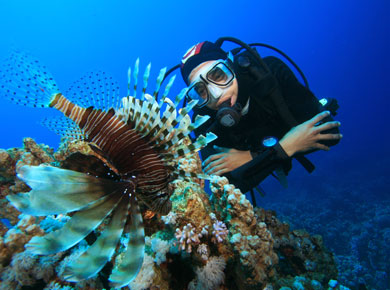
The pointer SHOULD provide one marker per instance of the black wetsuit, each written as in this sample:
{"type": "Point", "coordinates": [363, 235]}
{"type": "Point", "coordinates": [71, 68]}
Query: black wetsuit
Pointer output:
{"type": "Point", "coordinates": [262, 120]}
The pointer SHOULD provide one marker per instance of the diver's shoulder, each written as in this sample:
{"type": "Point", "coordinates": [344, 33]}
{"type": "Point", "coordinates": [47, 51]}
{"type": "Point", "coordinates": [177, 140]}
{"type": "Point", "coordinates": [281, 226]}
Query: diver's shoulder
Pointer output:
{"type": "Point", "coordinates": [279, 69]}
{"type": "Point", "coordinates": [273, 61]}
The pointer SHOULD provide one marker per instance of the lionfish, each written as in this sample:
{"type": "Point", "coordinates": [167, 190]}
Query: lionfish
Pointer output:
{"type": "Point", "coordinates": [137, 144]}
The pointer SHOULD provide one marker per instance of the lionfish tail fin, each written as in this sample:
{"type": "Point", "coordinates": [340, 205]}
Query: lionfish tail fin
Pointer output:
{"type": "Point", "coordinates": [25, 81]}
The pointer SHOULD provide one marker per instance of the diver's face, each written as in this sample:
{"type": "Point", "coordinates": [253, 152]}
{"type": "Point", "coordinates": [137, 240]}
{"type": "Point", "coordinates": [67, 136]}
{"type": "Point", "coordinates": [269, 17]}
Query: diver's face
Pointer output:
{"type": "Point", "coordinates": [217, 94]}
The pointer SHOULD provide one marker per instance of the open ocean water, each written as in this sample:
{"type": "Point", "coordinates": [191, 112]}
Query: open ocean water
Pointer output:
{"type": "Point", "coordinates": [341, 46]}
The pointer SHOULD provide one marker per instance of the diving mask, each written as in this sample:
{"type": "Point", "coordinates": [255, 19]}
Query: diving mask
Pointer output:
{"type": "Point", "coordinates": [210, 83]}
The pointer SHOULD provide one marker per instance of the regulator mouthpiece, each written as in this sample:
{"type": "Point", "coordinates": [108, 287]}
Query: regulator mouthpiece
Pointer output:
{"type": "Point", "coordinates": [229, 116]}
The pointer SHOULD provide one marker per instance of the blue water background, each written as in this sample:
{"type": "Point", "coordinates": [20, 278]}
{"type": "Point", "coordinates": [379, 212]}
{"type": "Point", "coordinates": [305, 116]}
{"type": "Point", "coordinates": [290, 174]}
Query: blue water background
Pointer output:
{"type": "Point", "coordinates": [342, 47]}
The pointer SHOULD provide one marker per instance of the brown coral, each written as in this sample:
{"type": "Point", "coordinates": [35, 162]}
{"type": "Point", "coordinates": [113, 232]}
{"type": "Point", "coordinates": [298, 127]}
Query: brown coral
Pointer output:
{"type": "Point", "coordinates": [301, 254]}
{"type": "Point", "coordinates": [255, 237]}
{"type": "Point", "coordinates": [252, 242]}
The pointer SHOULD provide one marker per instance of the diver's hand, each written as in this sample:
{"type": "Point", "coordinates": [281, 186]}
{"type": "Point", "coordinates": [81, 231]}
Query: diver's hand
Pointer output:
{"type": "Point", "coordinates": [227, 160]}
{"type": "Point", "coordinates": [306, 136]}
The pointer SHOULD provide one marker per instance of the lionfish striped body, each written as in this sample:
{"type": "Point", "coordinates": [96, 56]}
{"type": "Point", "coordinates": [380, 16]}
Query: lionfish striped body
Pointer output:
{"type": "Point", "coordinates": [119, 145]}
{"type": "Point", "coordinates": [136, 157]}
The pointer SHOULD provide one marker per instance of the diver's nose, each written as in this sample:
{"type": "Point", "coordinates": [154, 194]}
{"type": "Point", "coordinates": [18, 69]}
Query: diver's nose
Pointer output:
{"type": "Point", "coordinates": [215, 91]}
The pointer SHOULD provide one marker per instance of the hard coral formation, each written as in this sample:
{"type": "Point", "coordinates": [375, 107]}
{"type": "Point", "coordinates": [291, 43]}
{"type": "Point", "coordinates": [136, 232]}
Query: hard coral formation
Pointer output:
{"type": "Point", "coordinates": [187, 237]}
{"type": "Point", "coordinates": [255, 259]}
{"type": "Point", "coordinates": [217, 242]}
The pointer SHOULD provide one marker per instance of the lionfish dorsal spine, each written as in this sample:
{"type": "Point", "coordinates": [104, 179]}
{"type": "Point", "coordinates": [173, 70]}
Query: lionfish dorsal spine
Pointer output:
{"type": "Point", "coordinates": [128, 80]}
{"type": "Point", "coordinates": [145, 79]}
{"type": "Point", "coordinates": [167, 140]}
{"type": "Point", "coordinates": [168, 87]}
{"type": "Point", "coordinates": [152, 117]}
{"type": "Point", "coordinates": [179, 97]}
{"type": "Point", "coordinates": [135, 77]}
{"type": "Point", "coordinates": [160, 78]}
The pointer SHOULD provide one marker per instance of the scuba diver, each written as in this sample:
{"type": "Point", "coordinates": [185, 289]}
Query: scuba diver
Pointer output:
{"type": "Point", "coordinates": [263, 116]}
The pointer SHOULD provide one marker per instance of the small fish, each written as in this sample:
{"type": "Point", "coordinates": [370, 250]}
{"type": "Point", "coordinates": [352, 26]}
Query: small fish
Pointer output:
{"type": "Point", "coordinates": [136, 145]}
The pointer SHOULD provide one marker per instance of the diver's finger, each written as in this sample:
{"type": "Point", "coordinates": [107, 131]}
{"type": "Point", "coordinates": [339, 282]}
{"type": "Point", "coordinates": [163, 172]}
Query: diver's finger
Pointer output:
{"type": "Point", "coordinates": [327, 126]}
{"type": "Point", "coordinates": [220, 172]}
{"type": "Point", "coordinates": [322, 147]}
{"type": "Point", "coordinates": [214, 169]}
{"type": "Point", "coordinates": [329, 136]}
{"type": "Point", "coordinates": [212, 158]}
{"type": "Point", "coordinates": [317, 118]}
{"type": "Point", "coordinates": [214, 163]}
{"type": "Point", "coordinates": [221, 149]}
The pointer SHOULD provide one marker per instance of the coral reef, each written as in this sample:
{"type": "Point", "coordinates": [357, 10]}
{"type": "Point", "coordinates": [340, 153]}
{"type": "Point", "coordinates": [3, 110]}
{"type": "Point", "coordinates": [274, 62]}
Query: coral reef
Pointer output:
{"type": "Point", "coordinates": [352, 217]}
{"type": "Point", "coordinates": [205, 242]}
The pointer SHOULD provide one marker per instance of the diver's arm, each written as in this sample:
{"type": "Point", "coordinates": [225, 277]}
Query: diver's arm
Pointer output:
{"type": "Point", "coordinates": [263, 164]}
{"type": "Point", "coordinates": [208, 151]}
{"type": "Point", "coordinates": [308, 136]}
{"type": "Point", "coordinates": [303, 138]}
{"type": "Point", "coordinates": [226, 160]}
{"type": "Point", "coordinates": [301, 101]}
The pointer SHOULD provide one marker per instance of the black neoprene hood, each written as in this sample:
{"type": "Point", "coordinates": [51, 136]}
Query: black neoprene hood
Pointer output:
{"type": "Point", "coordinates": [199, 53]}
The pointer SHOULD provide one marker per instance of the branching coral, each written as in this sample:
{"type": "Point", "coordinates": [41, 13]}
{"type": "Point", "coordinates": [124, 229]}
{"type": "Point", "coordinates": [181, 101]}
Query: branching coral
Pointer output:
{"type": "Point", "coordinates": [161, 248]}
{"type": "Point", "coordinates": [170, 218]}
{"type": "Point", "coordinates": [187, 237]}
{"type": "Point", "coordinates": [220, 232]}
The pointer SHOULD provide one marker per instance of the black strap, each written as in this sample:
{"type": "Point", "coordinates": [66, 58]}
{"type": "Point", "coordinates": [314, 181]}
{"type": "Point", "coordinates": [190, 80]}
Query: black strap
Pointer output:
{"type": "Point", "coordinates": [253, 197]}
{"type": "Point", "coordinates": [290, 120]}
{"type": "Point", "coordinates": [282, 108]}
{"type": "Point", "coordinates": [306, 163]}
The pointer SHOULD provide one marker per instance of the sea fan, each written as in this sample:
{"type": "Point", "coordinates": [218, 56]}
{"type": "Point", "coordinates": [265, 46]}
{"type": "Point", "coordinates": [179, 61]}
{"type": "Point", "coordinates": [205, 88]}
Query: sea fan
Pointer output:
{"type": "Point", "coordinates": [136, 148]}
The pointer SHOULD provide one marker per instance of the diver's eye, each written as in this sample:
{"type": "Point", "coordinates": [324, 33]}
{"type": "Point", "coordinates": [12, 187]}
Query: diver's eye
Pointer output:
{"type": "Point", "coordinates": [217, 75]}
{"type": "Point", "coordinates": [201, 90]}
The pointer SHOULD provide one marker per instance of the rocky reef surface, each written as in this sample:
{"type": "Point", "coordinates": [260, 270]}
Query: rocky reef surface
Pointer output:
{"type": "Point", "coordinates": [351, 211]}
{"type": "Point", "coordinates": [205, 242]}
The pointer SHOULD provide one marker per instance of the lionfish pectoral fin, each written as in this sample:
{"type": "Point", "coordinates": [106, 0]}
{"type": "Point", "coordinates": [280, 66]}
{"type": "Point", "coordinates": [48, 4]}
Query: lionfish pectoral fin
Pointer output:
{"type": "Point", "coordinates": [129, 265]}
{"type": "Point", "coordinates": [162, 205]}
{"type": "Point", "coordinates": [103, 157]}
{"type": "Point", "coordinates": [97, 255]}
{"type": "Point", "coordinates": [77, 228]}
{"type": "Point", "coordinates": [158, 202]}
{"type": "Point", "coordinates": [21, 201]}
{"type": "Point", "coordinates": [58, 191]}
